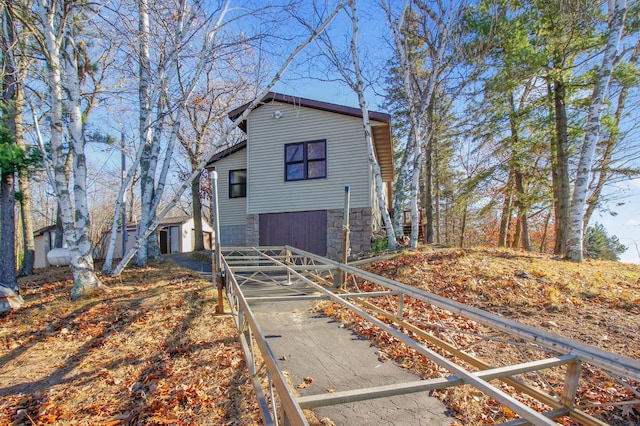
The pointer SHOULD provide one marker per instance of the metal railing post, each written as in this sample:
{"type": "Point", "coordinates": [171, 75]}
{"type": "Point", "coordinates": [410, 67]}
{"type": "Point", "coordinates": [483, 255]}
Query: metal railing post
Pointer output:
{"type": "Point", "coordinates": [217, 255]}
{"type": "Point", "coordinates": [568, 396]}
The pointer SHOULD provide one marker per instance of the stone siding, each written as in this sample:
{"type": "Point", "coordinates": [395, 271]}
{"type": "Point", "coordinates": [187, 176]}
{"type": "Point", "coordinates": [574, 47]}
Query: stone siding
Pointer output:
{"type": "Point", "coordinates": [233, 235]}
{"type": "Point", "coordinates": [361, 231]}
{"type": "Point", "coordinates": [253, 230]}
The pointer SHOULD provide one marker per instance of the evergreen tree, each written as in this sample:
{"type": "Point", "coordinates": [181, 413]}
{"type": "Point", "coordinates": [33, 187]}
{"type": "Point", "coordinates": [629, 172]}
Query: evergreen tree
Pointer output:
{"type": "Point", "coordinates": [598, 244]}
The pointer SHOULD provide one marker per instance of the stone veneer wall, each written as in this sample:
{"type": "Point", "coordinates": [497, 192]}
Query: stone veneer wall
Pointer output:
{"type": "Point", "coordinates": [360, 225]}
{"type": "Point", "coordinates": [233, 235]}
{"type": "Point", "coordinates": [253, 230]}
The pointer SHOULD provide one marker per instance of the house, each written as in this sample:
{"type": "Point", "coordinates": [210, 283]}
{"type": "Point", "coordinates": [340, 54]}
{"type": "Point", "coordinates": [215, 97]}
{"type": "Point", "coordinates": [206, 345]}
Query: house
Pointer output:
{"type": "Point", "coordinates": [285, 183]}
{"type": "Point", "coordinates": [175, 234]}
{"type": "Point", "coordinates": [44, 240]}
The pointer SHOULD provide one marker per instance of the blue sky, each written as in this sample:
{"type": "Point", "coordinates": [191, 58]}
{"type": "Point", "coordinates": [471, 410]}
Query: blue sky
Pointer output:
{"type": "Point", "coordinates": [626, 224]}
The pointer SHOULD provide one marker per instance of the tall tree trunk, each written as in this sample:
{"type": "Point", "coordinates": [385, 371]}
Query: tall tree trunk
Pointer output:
{"type": "Point", "coordinates": [592, 132]}
{"type": "Point", "coordinates": [25, 194]}
{"type": "Point", "coordinates": [428, 191]}
{"type": "Point", "coordinates": [517, 235]}
{"type": "Point", "coordinates": [413, 198]}
{"type": "Point", "coordinates": [560, 165]}
{"type": "Point", "coordinates": [359, 89]}
{"type": "Point", "coordinates": [7, 232]}
{"type": "Point", "coordinates": [73, 210]}
{"type": "Point", "coordinates": [400, 188]}
{"type": "Point", "coordinates": [505, 217]}
{"type": "Point", "coordinates": [144, 95]}
{"type": "Point", "coordinates": [58, 240]}
{"type": "Point", "coordinates": [522, 210]}
{"type": "Point", "coordinates": [81, 253]}
{"type": "Point", "coordinates": [463, 224]}
{"type": "Point", "coordinates": [197, 214]}
{"type": "Point", "coordinates": [7, 174]}
{"type": "Point", "coordinates": [609, 146]}
{"type": "Point", "coordinates": [436, 194]}
{"type": "Point", "coordinates": [543, 243]}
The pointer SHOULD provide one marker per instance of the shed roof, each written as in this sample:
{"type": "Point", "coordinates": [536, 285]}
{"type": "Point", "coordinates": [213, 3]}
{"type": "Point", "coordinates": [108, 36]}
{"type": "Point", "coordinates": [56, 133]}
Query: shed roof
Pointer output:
{"type": "Point", "coordinates": [380, 127]}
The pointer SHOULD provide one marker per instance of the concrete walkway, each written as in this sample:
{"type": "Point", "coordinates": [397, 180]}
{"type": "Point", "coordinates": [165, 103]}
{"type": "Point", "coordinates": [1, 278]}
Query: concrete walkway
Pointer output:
{"type": "Point", "coordinates": [308, 344]}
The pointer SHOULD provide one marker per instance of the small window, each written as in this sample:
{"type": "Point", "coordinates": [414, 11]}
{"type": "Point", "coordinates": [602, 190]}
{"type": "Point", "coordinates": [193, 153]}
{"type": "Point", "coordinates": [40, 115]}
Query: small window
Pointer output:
{"type": "Point", "coordinates": [305, 160]}
{"type": "Point", "coordinates": [238, 183]}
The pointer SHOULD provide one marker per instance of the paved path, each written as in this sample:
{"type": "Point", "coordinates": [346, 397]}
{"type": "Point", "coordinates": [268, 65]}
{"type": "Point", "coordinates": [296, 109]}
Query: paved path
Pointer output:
{"type": "Point", "coordinates": [185, 260]}
{"type": "Point", "coordinates": [308, 344]}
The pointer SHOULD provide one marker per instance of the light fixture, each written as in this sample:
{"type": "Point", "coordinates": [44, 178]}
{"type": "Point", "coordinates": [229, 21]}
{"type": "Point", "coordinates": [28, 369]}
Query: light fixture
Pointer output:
{"type": "Point", "coordinates": [277, 114]}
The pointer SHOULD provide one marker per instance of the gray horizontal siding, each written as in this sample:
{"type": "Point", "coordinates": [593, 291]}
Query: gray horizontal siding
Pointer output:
{"type": "Point", "coordinates": [347, 160]}
{"type": "Point", "coordinates": [233, 211]}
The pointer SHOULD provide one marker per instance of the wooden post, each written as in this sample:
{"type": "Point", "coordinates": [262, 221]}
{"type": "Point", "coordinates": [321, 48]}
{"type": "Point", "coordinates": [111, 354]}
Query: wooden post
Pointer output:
{"type": "Point", "coordinates": [339, 278]}
{"type": "Point", "coordinates": [345, 236]}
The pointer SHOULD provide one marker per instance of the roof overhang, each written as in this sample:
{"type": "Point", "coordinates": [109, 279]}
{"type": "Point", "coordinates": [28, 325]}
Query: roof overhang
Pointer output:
{"type": "Point", "coordinates": [225, 153]}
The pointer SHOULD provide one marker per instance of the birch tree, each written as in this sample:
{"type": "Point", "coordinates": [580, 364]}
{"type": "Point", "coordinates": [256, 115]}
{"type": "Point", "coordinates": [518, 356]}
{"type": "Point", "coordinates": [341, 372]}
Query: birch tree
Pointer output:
{"type": "Point", "coordinates": [355, 80]}
{"type": "Point", "coordinates": [420, 85]}
{"type": "Point", "coordinates": [592, 131]}
{"type": "Point", "coordinates": [205, 53]}
{"type": "Point", "coordinates": [606, 167]}
{"type": "Point", "coordinates": [57, 38]}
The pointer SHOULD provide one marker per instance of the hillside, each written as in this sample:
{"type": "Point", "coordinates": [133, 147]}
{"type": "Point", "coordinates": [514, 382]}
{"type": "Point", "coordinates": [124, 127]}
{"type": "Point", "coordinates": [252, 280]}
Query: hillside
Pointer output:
{"type": "Point", "coordinates": [596, 302]}
{"type": "Point", "coordinates": [149, 349]}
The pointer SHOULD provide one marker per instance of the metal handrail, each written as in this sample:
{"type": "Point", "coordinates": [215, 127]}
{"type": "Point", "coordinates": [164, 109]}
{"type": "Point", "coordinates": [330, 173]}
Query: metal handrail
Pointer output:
{"type": "Point", "coordinates": [241, 311]}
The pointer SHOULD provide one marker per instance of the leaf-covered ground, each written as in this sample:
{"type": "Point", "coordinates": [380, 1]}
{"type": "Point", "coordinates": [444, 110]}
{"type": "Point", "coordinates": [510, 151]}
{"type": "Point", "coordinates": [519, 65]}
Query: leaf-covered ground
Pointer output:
{"type": "Point", "coordinates": [147, 349]}
{"type": "Point", "coordinates": [595, 302]}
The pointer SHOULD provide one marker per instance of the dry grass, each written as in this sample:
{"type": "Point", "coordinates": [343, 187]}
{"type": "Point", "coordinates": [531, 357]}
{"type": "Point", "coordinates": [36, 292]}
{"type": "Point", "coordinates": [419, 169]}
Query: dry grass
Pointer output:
{"type": "Point", "coordinates": [147, 349]}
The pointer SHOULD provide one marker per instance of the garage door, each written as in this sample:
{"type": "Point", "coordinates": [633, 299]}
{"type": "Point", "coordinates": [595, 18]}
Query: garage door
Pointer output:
{"type": "Point", "coordinates": [304, 230]}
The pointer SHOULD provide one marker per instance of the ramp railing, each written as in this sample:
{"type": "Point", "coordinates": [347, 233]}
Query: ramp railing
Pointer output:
{"type": "Point", "coordinates": [384, 303]}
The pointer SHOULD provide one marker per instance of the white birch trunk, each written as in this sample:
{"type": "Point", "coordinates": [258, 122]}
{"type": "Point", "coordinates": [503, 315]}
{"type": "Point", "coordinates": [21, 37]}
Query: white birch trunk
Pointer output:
{"type": "Point", "coordinates": [592, 132]}
{"type": "Point", "coordinates": [418, 98]}
{"type": "Point", "coordinates": [200, 167]}
{"type": "Point", "coordinates": [74, 211]}
{"type": "Point", "coordinates": [146, 137]}
{"type": "Point", "coordinates": [152, 191]}
{"type": "Point", "coordinates": [108, 261]}
{"type": "Point", "coordinates": [359, 89]}
{"type": "Point", "coordinates": [81, 255]}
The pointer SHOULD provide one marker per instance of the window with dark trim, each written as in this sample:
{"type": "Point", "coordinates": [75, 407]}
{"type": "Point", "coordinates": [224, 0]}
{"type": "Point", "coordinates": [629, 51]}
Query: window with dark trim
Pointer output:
{"type": "Point", "coordinates": [305, 160]}
{"type": "Point", "coordinates": [238, 183]}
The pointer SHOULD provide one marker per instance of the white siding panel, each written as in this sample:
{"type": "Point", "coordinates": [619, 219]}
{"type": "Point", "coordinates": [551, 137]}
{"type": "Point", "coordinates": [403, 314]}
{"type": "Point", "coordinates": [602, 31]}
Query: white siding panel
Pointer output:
{"type": "Point", "coordinates": [347, 160]}
{"type": "Point", "coordinates": [40, 257]}
{"type": "Point", "coordinates": [233, 211]}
